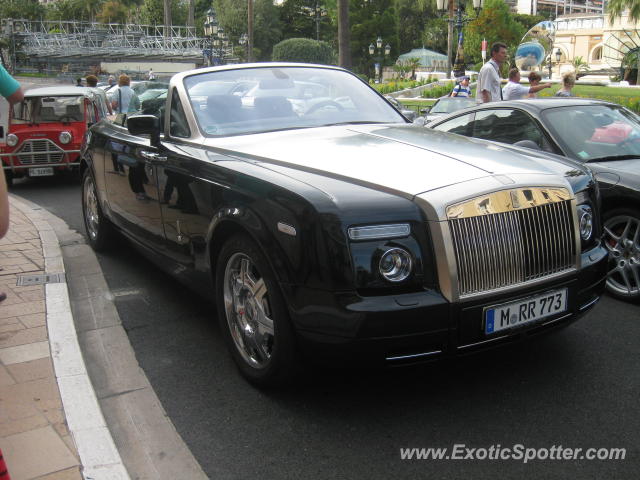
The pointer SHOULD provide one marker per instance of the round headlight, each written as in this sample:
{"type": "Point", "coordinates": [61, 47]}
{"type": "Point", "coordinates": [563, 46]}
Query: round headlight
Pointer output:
{"type": "Point", "coordinates": [585, 215]}
{"type": "Point", "coordinates": [12, 140]}
{"type": "Point", "coordinates": [395, 265]}
{"type": "Point", "coordinates": [65, 137]}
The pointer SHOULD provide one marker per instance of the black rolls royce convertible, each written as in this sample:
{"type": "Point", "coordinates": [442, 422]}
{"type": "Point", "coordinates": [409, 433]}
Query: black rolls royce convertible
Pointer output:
{"type": "Point", "coordinates": [324, 225]}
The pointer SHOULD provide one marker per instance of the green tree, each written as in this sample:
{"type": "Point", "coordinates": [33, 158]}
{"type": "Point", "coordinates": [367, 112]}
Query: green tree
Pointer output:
{"type": "Point", "coordinates": [495, 24]}
{"type": "Point", "coordinates": [152, 12]}
{"type": "Point", "coordinates": [298, 19]}
{"type": "Point", "coordinates": [369, 21]}
{"type": "Point", "coordinates": [528, 21]}
{"type": "Point", "coordinates": [617, 7]}
{"type": "Point", "coordinates": [268, 30]}
{"type": "Point", "coordinates": [303, 50]}
{"type": "Point", "coordinates": [27, 9]}
{"type": "Point", "coordinates": [580, 66]}
{"type": "Point", "coordinates": [113, 11]}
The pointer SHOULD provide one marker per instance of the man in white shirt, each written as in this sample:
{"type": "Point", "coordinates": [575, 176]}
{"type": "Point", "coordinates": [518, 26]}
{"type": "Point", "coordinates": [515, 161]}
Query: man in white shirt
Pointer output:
{"type": "Point", "coordinates": [514, 91]}
{"type": "Point", "coordinates": [488, 88]}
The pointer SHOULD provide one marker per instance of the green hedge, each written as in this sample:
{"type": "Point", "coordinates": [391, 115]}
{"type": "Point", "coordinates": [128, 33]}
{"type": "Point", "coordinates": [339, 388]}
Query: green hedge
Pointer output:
{"type": "Point", "coordinates": [398, 85]}
{"type": "Point", "coordinates": [438, 91]}
{"type": "Point", "coordinates": [303, 50]}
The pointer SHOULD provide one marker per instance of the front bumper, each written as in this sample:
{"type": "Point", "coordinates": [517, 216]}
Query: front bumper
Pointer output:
{"type": "Point", "coordinates": [414, 327]}
{"type": "Point", "coordinates": [12, 161]}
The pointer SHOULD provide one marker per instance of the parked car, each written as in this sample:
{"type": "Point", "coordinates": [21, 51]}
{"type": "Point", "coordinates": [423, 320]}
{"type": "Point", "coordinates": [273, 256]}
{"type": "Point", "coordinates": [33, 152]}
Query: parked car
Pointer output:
{"type": "Point", "coordinates": [445, 105]}
{"type": "Point", "coordinates": [347, 231]}
{"type": "Point", "coordinates": [408, 113]}
{"type": "Point", "coordinates": [603, 135]}
{"type": "Point", "coordinates": [46, 130]}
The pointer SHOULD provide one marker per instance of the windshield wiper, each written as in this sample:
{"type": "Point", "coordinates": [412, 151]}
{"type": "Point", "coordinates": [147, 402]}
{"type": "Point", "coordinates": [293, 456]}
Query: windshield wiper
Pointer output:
{"type": "Point", "coordinates": [609, 158]}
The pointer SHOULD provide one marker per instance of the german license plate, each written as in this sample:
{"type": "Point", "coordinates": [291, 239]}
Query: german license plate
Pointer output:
{"type": "Point", "coordinates": [41, 172]}
{"type": "Point", "coordinates": [523, 311]}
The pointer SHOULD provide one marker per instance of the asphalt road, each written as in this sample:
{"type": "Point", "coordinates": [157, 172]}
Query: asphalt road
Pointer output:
{"type": "Point", "coordinates": [578, 389]}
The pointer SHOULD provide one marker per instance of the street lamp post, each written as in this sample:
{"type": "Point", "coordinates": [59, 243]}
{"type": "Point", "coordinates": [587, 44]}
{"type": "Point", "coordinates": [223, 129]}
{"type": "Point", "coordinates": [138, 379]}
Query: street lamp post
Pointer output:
{"type": "Point", "coordinates": [558, 57]}
{"type": "Point", "coordinates": [381, 54]}
{"type": "Point", "coordinates": [242, 41]}
{"type": "Point", "coordinates": [211, 31]}
{"type": "Point", "coordinates": [455, 18]}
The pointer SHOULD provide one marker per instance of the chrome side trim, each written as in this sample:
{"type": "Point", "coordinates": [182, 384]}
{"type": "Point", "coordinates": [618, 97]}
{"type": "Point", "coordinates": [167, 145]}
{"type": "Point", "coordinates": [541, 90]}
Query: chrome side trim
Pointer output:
{"type": "Point", "coordinates": [287, 229]}
{"type": "Point", "coordinates": [590, 304]}
{"type": "Point", "coordinates": [557, 319]}
{"type": "Point", "coordinates": [415, 355]}
{"type": "Point", "coordinates": [469, 345]}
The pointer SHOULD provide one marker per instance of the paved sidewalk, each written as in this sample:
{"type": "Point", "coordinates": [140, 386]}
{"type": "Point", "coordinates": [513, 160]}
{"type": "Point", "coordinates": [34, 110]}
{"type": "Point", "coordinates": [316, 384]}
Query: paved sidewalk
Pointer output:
{"type": "Point", "coordinates": [51, 427]}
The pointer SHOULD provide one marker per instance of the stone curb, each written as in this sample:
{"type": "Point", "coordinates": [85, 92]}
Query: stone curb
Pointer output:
{"type": "Point", "coordinates": [98, 454]}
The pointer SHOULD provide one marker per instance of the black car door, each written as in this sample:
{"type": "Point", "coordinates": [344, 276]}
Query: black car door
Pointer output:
{"type": "Point", "coordinates": [131, 185]}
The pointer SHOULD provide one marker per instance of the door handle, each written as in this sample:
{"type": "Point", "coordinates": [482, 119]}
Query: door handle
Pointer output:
{"type": "Point", "coordinates": [153, 157]}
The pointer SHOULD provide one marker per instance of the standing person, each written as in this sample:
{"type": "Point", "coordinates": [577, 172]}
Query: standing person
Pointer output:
{"type": "Point", "coordinates": [92, 83]}
{"type": "Point", "coordinates": [79, 82]}
{"type": "Point", "coordinates": [488, 89]}
{"type": "Point", "coordinates": [12, 91]}
{"type": "Point", "coordinates": [462, 89]}
{"type": "Point", "coordinates": [152, 75]}
{"type": "Point", "coordinates": [514, 91]}
{"type": "Point", "coordinates": [123, 98]}
{"type": "Point", "coordinates": [534, 79]}
{"type": "Point", "coordinates": [568, 82]}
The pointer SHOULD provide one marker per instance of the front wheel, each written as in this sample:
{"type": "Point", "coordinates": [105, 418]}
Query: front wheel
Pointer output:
{"type": "Point", "coordinates": [622, 238]}
{"type": "Point", "coordinates": [99, 229]}
{"type": "Point", "coordinates": [253, 316]}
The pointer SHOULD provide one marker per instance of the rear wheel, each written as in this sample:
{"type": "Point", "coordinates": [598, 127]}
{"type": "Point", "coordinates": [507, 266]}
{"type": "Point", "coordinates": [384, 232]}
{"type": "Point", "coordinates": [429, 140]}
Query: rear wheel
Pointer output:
{"type": "Point", "coordinates": [99, 229]}
{"type": "Point", "coordinates": [622, 238]}
{"type": "Point", "coordinates": [253, 316]}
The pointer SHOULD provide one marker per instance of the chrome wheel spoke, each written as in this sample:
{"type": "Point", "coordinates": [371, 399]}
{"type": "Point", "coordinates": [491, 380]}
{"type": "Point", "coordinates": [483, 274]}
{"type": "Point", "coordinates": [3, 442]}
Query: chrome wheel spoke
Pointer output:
{"type": "Point", "coordinates": [624, 247]}
{"type": "Point", "coordinates": [612, 235]}
{"type": "Point", "coordinates": [247, 310]}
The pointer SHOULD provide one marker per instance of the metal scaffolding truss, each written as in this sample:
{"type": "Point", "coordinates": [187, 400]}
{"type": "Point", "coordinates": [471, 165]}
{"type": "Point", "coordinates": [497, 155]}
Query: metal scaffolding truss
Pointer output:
{"type": "Point", "coordinates": [68, 39]}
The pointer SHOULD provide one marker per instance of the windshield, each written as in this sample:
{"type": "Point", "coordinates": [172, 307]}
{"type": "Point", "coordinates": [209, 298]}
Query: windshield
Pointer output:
{"type": "Point", "coordinates": [48, 109]}
{"type": "Point", "coordinates": [595, 132]}
{"type": "Point", "coordinates": [255, 100]}
{"type": "Point", "coordinates": [449, 105]}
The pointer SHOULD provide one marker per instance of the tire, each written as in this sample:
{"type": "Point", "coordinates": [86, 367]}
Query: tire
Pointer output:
{"type": "Point", "coordinates": [9, 178]}
{"type": "Point", "coordinates": [98, 228]}
{"type": "Point", "coordinates": [622, 239]}
{"type": "Point", "coordinates": [253, 316]}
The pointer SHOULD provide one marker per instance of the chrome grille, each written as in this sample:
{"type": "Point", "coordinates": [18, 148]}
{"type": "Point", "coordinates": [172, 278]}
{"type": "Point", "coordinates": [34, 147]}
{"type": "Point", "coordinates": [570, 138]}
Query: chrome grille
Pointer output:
{"type": "Point", "coordinates": [38, 152]}
{"type": "Point", "coordinates": [502, 249]}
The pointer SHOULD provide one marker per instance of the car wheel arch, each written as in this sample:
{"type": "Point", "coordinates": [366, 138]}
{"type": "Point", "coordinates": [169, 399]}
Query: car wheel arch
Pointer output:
{"type": "Point", "coordinates": [223, 228]}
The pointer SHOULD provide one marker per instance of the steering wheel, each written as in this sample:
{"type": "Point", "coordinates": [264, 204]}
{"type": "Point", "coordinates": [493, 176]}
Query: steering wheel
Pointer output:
{"type": "Point", "coordinates": [323, 104]}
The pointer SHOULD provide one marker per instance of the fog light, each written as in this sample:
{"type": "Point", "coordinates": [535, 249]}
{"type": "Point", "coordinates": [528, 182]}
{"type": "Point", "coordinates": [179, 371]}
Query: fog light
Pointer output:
{"type": "Point", "coordinates": [395, 265]}
{"type": "Point", "coordinates": [586, 221]}
{"type": "Point", "coordinates": [65, 137]}
{"type": "Point", "coordinates": [12, 140]}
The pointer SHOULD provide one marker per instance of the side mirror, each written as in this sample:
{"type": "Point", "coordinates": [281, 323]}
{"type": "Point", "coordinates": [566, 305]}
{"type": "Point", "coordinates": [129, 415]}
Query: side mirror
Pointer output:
{"type": "Point", "coordinates": [409, 114]}
{"type": "Point", "coordinates": [425, 110]}
{"type": "Point", "coordinates": [145, 125]}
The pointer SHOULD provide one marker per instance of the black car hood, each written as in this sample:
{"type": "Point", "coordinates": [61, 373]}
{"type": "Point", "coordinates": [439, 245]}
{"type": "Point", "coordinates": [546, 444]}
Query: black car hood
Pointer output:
{"type": "Point", "coordinates": [402, 158]}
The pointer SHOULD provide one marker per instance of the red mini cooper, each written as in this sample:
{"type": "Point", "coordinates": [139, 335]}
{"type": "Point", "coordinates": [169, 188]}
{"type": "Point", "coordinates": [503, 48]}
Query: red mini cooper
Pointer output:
{"type": "Point", "coordinates": [46, 130]}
